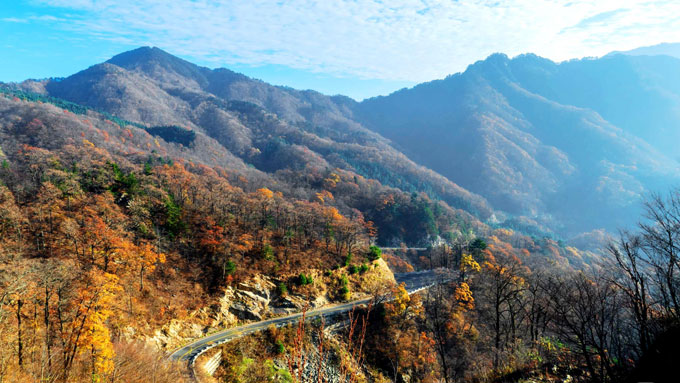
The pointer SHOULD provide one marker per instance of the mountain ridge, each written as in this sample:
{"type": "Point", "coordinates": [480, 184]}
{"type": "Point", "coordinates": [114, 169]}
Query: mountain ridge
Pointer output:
{"type": "Point", "coordinates": [510, 124]}
{"type": "Point", "coordinates": [272, 129]}
{"type": "Point", "coordinates": [500, 131]}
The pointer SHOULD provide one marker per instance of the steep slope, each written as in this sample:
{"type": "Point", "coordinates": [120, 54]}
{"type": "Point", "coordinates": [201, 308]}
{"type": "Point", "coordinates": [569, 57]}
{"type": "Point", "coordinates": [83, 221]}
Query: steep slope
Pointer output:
{"type": "Point", "coordinates": [641, 95]}
{"type": "Point", "coordinates": [272, 128]}
{"type": "Point", "coordinates": [573, 144]}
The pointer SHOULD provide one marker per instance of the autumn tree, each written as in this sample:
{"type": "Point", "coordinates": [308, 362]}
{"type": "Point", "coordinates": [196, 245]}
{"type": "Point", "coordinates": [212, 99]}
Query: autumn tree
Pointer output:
{"type": "Point", "coordinates": [399, 340]}
{"type": "Point", "coordinates": [448, 318]}
{"type": "Point", "coordinates": [503, 284]}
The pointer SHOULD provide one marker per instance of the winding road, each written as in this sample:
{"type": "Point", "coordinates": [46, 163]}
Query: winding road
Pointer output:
{"type": "Point", "coordinates": [415, 281]}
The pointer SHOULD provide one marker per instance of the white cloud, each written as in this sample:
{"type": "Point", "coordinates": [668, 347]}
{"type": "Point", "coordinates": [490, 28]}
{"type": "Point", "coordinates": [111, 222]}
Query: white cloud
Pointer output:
{"type": "Point", "coordinates": [407, 40]}
{"type": "Point", "coordinates": [13, 20]}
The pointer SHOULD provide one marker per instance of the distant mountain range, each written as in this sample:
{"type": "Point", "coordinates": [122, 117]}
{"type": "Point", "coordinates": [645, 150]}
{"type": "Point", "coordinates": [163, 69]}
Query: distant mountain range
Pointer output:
{"type": "Point", "coordinates": [667, 49]}
{"type": "Point", "coordinates": [568, 147]}
{"type": "Point", "coordinates": [574, 145]}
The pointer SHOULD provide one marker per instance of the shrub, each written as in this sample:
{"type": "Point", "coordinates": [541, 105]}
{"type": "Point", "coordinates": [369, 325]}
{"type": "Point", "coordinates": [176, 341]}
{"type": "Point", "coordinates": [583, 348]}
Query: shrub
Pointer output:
{"type": "Point", "coordinates": [305, 279]}
{"type": "Point", "coordinates": [282, 289]}
{"type": "Point", "coordinates": [374, 253]}
{"type": "Point", "coordinates": [280, 348]}
{"type": "Point", "coordinates": [348, 258]}
{"type": "Point", "coordinates": [363, 268]}
{"type": "Point", "coordinates": [344, 293]}
{"type": "Point", "coordinates": [353, 269]}
{"type": "Point", "coordinates": [344, 288]}
{"type": "Point", "coordinates": [229, 268]}
{"type": "Point", "coordinates": [173, 221]}
{"type": "Point", "coordinates": [478, 244]}
{"type": "Point", "coordinates": [148, 169]}
{"type": "Point", "coordinates": [276, 373]}
{"type": "Point", "coordinates": [268, 252]}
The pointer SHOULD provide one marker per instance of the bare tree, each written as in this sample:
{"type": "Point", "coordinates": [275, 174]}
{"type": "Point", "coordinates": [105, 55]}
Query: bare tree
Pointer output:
{"type": "Point", "coordinates": [587, 314]}
{"type": "Point", "coordinates": [660, 239]}
{"type": "Point", "coordinates": [628, 274]}
{"type": "Point", "coordinates": [438, 311]}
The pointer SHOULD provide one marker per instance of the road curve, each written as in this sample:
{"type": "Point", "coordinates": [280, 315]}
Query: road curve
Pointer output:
{"type": "Point", "coordinates": [414, 282]}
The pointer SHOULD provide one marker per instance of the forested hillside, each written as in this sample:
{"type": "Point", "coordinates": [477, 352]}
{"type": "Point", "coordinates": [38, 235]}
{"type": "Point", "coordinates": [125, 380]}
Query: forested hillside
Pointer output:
{"type": "Point", "coordinates": [146, 202]}
{"type": "Point", "coordinates": [108, 233]}
{"type": "Point", "coordinates": [574, 145]}
{"type": "Point", "coordinates": [271, 128]}
{"type": "Point", "coordinates": [533, 137]}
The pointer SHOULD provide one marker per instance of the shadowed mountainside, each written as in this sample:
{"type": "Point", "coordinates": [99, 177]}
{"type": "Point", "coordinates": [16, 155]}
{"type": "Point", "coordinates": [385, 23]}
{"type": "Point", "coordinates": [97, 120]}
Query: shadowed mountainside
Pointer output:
{"type": "Point", "coordinates": [573, 144]}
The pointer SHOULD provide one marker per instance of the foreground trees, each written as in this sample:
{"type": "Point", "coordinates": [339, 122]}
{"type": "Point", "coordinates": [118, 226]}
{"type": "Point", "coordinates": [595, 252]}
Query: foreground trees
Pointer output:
{"type": "Point", "coordinates": [511, 314]}
{"type": "Point", "coordinates": [99, 240]}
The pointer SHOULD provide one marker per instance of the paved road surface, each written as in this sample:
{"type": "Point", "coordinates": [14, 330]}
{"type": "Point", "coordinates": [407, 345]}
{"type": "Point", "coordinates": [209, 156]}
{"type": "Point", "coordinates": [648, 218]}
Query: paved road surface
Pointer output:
{"type": "Point", "coordinates": [404, 248]}
{"type": "Point", "coordinates": [415, 282]}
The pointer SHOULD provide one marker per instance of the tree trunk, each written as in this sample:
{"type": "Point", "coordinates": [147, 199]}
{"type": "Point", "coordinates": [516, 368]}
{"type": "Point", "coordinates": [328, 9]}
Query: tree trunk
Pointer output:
{"type": "Point", "coordinates": [20, 303]}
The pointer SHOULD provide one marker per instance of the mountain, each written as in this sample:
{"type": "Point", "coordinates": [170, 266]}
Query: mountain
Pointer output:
{"type": "Point", "coordinates": [666, 49]}
{"type": "Point", "coordinates": [573, 144]}
{"type": "Point", "coordinates": [542, 146]}
{"type": "Point", "coordinates": [147, 202]}
{"type": "Point", "coordinates": [274, 134]}
{"type": "Point", "coordinates": [132, 240]}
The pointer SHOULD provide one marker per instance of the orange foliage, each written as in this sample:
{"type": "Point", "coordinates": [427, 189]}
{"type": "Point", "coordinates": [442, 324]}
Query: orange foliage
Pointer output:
{"type": "Point", "coordinates": [463, 297]}
{"type": "Point", "coordinates": [324, 196]}
{"type": "Point", "coordinates": [265, 193]}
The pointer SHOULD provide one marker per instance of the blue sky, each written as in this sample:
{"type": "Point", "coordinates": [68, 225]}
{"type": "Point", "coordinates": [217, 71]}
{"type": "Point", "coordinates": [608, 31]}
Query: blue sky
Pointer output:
{"type": "Point", "coordinates": [359, 48]}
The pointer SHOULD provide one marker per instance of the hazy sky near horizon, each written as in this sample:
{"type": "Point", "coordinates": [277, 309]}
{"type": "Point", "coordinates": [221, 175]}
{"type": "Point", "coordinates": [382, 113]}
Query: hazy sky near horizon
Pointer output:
{"type": "Point", "coordinates": [359, 48]}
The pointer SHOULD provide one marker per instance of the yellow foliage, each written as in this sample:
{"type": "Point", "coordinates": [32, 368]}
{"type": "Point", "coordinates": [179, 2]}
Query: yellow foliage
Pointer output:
{"type": "Point", "coordinates": [504, 273]}
{"type": "Point", "coordinates": [98, 299]}
{"type": "Point", "coordinates": [463, 297]}
{"type": "Point", "coordinates": [494, 268]}
{"type": "Point", "coordinates": [147, 257]}
{"type": "Point", "coordinates": [401, 299]}
{"type": "Point", "coordinates": [504, 233]}
{"type": "Point", "coordinates": [265, 193]}
{"type": "Point", "coordinates": [467, 264]}
{"type": "Point", "coordinates": [324, 196]}
{"type": "Point", "coordinates": [331, 181]}
{"type": "Point", "coordinates": [333, 214]}
{"type": "Point", "coordinates": [402, 303]}
{"type": "Point", "coordinates": [88, 143]}
{"type": "Point", "coordinates": [573, 252]}
{"type": "Point", "coordinates": [461, 327]}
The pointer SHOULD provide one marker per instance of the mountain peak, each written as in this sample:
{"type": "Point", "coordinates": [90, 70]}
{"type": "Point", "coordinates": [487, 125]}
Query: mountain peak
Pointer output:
{"type": "Point", "coordinates": [141, 54]}
{"type": "Point", "coordinates": [150, 59]}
